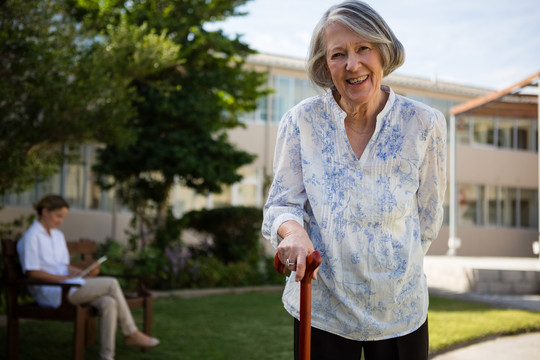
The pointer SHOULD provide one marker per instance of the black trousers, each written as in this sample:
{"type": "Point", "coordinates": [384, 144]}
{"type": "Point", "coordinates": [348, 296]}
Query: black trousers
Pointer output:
{"type": "Point", "coordinates": [327, 346]}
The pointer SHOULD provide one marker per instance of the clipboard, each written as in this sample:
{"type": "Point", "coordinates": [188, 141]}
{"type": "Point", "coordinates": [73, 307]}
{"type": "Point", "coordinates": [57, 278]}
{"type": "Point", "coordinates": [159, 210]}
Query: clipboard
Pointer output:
{"type": "Point", "coordinates": [85, 272]}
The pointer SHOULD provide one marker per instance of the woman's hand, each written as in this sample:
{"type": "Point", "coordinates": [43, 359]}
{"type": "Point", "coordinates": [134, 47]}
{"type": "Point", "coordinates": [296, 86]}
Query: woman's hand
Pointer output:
{"type": "Point", "coordinates": [73, 271]}
{"type": "Point", "coordinates": [295, 247]}
{"type": "Point", "coordinates": [93, 272]}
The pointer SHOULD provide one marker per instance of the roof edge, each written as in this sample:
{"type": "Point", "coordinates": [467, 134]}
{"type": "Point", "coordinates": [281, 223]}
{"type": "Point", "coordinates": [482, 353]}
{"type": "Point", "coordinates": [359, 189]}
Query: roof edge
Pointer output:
{"type": "Point", "coordinates": [484, 100]}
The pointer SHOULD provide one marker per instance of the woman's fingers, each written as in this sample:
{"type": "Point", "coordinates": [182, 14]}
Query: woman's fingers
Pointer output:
{"type": "Point", "coordinates": [300, 267]}
{"type": "Point", "coordinates": [293, 250]}
{"type": "Point", "coordinates": [294, 259]}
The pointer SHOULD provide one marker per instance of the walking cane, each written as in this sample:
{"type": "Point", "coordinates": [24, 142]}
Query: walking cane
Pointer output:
{"type": "Point", "coordinates": [312, 263]}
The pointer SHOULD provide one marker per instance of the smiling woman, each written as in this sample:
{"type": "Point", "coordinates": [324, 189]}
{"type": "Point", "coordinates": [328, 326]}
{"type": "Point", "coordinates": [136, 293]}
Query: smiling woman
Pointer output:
{"type": "Point", "coordinates": [359, 175]}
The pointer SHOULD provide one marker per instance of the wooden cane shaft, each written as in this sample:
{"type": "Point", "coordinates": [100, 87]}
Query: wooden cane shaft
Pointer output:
{"type": "Point", "coordinates": [312, 263]}
{"type": "Point", "coordinates": [305, 321]}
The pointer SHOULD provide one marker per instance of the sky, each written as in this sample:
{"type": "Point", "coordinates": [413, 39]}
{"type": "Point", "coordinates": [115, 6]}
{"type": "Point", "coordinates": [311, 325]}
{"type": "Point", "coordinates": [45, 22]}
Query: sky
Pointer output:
{"type": "Point", "coordinates": [486, 43]}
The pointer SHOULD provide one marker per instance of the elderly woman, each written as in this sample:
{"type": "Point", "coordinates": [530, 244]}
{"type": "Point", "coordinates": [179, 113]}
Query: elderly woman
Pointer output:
{"type": "Point", "coordinates": [44, 256]}
{"type": "Point", "coordinates": [359, 175]}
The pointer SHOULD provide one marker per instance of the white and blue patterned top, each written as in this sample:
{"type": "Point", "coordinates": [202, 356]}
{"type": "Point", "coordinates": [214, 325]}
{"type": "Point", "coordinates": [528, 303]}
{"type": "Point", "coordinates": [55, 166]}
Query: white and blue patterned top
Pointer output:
{"type": "Point", "coordinates": [372, 219]}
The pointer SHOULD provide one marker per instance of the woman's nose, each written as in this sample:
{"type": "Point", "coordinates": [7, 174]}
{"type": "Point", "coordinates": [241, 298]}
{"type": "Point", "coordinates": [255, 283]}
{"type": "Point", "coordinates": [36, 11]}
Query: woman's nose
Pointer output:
{"type": "Point", "coordinates": [353, 61]}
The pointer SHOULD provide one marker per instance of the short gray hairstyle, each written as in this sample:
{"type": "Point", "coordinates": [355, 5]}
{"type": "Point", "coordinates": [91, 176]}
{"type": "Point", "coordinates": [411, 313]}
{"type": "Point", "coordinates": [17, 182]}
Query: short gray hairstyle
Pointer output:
{"type": "Point", "coordinates": [361, 19]}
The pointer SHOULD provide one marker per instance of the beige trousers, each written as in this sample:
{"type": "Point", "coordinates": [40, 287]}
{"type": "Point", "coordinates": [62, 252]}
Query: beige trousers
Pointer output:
{"type": "Point", "coordinates": [105, 294]}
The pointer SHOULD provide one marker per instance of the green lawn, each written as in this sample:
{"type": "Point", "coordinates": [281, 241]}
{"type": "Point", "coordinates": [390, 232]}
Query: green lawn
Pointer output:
{"type": "Point", "coordinates": [454, 322]}
{"type": "Point", "coordinates": [255, 326]}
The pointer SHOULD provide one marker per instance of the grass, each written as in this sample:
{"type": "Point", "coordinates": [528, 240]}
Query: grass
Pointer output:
{"type": "Point", "coordinates": [255, 326]}
{"type": "Point", "coordinates": [453, 323]}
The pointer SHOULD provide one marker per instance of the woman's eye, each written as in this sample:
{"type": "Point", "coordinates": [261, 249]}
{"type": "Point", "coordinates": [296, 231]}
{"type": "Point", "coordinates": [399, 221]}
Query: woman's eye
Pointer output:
{"type": "Point", "coordinates": [336, 55]}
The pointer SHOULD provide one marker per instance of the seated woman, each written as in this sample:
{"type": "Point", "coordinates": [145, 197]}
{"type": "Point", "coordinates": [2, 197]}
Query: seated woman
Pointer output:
{"type": "Point", "coordinates": [44, 256]}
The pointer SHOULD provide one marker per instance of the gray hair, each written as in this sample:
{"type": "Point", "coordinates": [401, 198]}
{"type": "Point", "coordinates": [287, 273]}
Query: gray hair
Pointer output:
{"type": "Point", "coordinates": [361, 19]}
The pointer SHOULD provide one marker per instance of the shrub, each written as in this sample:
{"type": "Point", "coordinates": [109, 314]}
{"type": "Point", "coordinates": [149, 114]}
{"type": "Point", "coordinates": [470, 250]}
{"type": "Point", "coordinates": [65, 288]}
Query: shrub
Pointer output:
{"type": "Point", "coordinates": [235, 232]}
{"type": "Point", "coordinates": [234, 256]}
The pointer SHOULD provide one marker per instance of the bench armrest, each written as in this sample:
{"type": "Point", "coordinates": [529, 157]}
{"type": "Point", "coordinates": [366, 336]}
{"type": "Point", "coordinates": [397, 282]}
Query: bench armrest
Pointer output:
{"type": "Point", "coordinates": [32, 282]}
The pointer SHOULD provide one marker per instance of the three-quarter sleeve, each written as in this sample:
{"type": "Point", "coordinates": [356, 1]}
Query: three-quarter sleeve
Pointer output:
{"type": "Point", "coordinates": [432, 182]}
{"type": "Point", "coordinates": [287, 195]}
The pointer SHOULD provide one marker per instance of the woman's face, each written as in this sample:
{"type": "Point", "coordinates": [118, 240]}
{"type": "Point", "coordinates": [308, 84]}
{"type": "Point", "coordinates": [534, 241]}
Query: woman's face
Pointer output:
{"type": "Point", "coordinates": [52, 219]}
{"type": "Point", "coordinates": [354, 64]}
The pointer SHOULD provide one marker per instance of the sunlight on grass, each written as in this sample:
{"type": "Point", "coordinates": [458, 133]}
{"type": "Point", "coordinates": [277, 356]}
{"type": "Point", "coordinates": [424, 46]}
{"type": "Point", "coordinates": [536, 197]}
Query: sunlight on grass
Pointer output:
{"type": "Point", "coordinates": [452, 322]}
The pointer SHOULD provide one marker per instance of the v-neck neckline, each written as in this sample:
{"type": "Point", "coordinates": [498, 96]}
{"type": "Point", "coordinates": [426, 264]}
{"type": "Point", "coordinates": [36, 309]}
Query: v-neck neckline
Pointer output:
{"type": "Point", "coordinates": [341, 114]}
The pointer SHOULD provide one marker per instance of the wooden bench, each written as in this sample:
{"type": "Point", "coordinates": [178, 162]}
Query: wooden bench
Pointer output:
{"type": "Point", "coordinates": [83, 317]}
{"type": "Point", "coordinates": [83, 253]}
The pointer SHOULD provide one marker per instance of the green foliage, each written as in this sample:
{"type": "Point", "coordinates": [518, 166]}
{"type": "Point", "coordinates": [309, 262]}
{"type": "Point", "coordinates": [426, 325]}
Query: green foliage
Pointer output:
{"type": "Point", "coordinates": [117, 256]}
{"type": "Point", "coordinates": [214, 273]}
{"type": "Point", "coordinates": [63, 82]}
{"type": "Point", "coordinates": [235, 232]}
{"type": "Point", "coordinates": [14, 229]}
{"type": "Point", "coordinates": [169, 232]}
{"type": "Point", "coordinates": [233, 258]}
{"type": "Point", "coordinates": [179, 269]}
{"type": "Point", "coordinates": [183, 112]}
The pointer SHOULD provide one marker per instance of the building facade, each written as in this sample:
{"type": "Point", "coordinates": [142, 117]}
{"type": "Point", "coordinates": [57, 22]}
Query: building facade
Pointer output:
{"type": "Point", "coordinates": [496, 176]}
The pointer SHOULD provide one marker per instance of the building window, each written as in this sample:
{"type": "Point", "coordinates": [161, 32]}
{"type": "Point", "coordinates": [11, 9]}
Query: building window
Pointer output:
{"type": "Point", "coordinates": [528, 209]}
{"type": "Point", "coordinates": [463, 130]}
{"type": "Point", "coordinates": [509, 200]}
{"type": "Point", "coordinates": [440, 104]}
{"type": "Point", "coordinates": [75, 182]}
{"type": "Point", "coordinates": [470, 205]}
{"type": "Point", "coordinates": [525, 135]}
{"type": "Point", "coordinates": [483, 131]}
{"type": "Point", "coordinates": [74, 176]}
{"type": "Point", "coordinates": [505, 134]}
{"type": "Point", "coordinates": [512, 134]}
{"type": "Point", "coordinates": [493, 206]}
{"type": "Point", "coordinates": [259, 115]}
{"type": "Point", "coordinates": [289, 91]}
{"type": "Point", "coordinates": [497, 206]}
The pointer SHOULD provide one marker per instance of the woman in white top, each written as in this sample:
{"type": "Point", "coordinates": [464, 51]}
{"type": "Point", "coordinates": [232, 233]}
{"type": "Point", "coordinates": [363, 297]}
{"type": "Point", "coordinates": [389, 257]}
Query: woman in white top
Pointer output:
{"type": "Point", "coordinates": [44, 256]}
{"type": "Point", "coordinates": [359, 175]}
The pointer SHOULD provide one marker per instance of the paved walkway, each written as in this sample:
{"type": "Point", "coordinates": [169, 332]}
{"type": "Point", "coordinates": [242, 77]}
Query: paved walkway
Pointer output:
{"type": "Point", "coordinates": [518, 347]}
{"type": "Point", "coordinates": [522, 302]}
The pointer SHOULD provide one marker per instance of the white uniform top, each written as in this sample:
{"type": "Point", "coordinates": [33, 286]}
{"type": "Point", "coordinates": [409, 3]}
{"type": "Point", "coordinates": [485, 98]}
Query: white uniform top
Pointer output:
{"type": "Point", "coordinates": [40, 251]}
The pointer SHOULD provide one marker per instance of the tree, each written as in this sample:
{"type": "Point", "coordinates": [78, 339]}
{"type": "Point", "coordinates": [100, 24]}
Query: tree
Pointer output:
{"type": "Point", "coordinates": [183, 115]}
{"type": "Point", "coordinates": [63, 83]}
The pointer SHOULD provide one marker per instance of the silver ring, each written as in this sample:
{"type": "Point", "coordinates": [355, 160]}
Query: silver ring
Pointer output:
{"type": "Point", "coordinates": [289, 263]}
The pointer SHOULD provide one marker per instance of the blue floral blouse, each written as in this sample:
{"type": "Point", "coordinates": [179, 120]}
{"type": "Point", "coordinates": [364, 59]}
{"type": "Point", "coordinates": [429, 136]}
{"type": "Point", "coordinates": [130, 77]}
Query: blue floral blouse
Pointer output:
{"type": "Point", "coordinates": [372, 218]}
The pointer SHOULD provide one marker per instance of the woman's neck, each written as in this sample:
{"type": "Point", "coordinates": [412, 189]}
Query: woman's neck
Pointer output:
{"type": "Point", "coordinates": [361, 120]}
{"type": "Point", "coordinates": [363, 116]}
{"type": "Point", "coordinates": [45, 226]}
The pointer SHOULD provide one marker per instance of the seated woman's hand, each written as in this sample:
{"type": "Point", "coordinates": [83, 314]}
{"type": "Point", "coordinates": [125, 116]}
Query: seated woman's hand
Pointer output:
{"type": "Point", "coordinates": [94, 271]}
